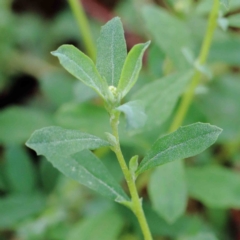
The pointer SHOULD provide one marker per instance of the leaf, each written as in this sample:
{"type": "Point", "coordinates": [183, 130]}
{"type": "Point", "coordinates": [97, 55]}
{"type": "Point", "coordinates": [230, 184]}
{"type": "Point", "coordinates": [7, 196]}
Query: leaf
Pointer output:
{"type": "Point", "coordinates": [169, 33]}
{"type": "Point", "coordinates": [214, 186]}
{"type": "Point", "coordinates": [220, 104]}
{"type": "Point", "coordinates": [48, 175]}
{"type": "Point", "coordinates": [160, 97]}
{"type": "Point", "coordinates": [106, 226]}
{"type": "Point", "coordinates": [200, 236]}
{"type": "Point", "coordinates": [15, 208]}
{"type": "Point", "coordinates": [131, 68]}
{"type": "Point", "coordinates": [135, 115]}
{"type": "Point", "coordinates": [186, 142]}
{"type": "Point", "coordinates": [111, 51]}
{"type": "Point", "coordinates": [83, 117]}
{"type": "Point", "coordinates": [81, 67]}
{"type": "Point", "coordinates": [85, 168]}
{"type": "Point", "coordinates": [234, 20]}
{"type": "Point", "coordinates": [17, 123]}
{"type": "Point", "coordinates": [61, 94]}
{"type": "Point", "coordinates": [19, 170]}
{"type": "Point", "coordinates": [57, 141]}
{"type": "Point", "coordinates": [225, 3]}
{"type": "Point", "coordinates": [168, 191]}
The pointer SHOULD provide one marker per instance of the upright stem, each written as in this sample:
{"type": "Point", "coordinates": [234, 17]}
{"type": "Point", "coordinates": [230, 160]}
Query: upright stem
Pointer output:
{"type": "Point", "coordinates": [82, 22]}
{"type": "Point", "coordinates": [136, 201]}
{"type": "Point", "coordinates": [188, 96]}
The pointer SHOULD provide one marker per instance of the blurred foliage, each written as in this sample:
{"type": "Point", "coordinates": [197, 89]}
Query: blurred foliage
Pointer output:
{"type": "Point", "coordinates": [38, 203]}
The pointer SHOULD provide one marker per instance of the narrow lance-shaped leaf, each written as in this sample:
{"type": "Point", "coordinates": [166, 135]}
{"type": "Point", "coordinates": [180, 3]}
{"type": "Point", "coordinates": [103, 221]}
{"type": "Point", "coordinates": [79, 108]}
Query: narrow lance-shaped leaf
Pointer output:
{"type": "Point", "coordinates": [131, 68]}
{"type": "Point", "coordinates": [185, 142]}
{"type": "Point", "coordinates": [81, 67]}
{"type": "Point", "coordinates": [134, 113]}
{"type": "Point", "coordinates": [85, 168]}
{"type": "Point", "coordinates": [111, 51]}
{"type": "Point", "coordinates": [55, 141]}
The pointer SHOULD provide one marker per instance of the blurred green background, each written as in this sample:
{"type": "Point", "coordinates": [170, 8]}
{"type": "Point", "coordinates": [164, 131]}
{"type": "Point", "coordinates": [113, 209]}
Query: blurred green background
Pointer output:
{"type": "Point", "coordinates": [39, 203]}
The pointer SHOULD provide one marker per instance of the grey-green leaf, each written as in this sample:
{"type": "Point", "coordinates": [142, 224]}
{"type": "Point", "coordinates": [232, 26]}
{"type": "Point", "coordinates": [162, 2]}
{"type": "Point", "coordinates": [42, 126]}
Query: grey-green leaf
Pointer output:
{"type": "Point", "coordinates": [87, 169]}
{"type": "Point", "coordinates": [214, 186]}
{"type": "Point", "coordinates": [169, 33]}
{"type": "Point", "coordinates": [111, 51]}
{"type": "Point", "coordinates": [187, 141]}
{"type": "Point", "coordinates": [81, 67]}
{"type": "Point", "coordinates": [135, 114]}
{"type": "Point", "coordinates": [131, 68]}
{"type": "Point", "coordinates": [225, 3]}
{"type": "Point", "coordinates": [55, 141]}
{"type": "Point", "coordinates": [160, 97]}
{"type": "Point", "coordinates": [168, 191]}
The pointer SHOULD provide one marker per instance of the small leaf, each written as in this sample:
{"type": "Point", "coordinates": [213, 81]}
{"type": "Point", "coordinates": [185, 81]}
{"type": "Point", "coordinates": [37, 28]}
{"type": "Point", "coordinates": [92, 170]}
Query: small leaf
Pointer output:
{"type": "Point", "coordinates": [234, 20]}
{"type": "Point", "coordinates": [133, 165]}
{"type": "Point", "coordinates": [111, 139]}
{"type": "Point", "coordinates": [168, 191]}
{"type": "Point", "coordinates": [214, 186]}
{"type": "Point", "coordinates": [135, 115]}
{"type": "Point", "coordinates": [111, 51]}
{"type": "Point", "coordinates": [81, 67]}
{"type": "Point", "coordinates": [223, 23]}
{"type": "Point", "coordinates": [55, 141]}
{"type": "Point", "coordinates": [160, 97]}
{"type": "Point", "coordinates": [225, 3]}
{"type": "Point", "coordinates": [187, 141]}
{"type": "Point", "coordinates": [169, 33]}
{"type": "Point", "coordinates": [131, 68]}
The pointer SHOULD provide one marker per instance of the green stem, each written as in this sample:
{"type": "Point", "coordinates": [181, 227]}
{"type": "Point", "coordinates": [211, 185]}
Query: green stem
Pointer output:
{"type": "Point", "coordinates": [188, 96]}
{"type": "Point", "coordinates": [136, 201]}
{"type": "Point", "coordinates": [82, 22]}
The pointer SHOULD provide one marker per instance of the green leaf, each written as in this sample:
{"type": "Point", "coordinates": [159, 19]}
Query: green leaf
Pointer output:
{"type": "Point", "coordinates": [17, 123]}
{"type": "Point", "coordinates": [160, 97]}
{"type": "Point", "coordinates": [105, 226]}
{"type": "Point", "coordinates": [61, 94]}
{"type": "Point", "coordinates": [168, 191]}
{"type": "Point", "coordinates": [20, 173]}
{"type": "Point", "coordinates": [81, 67]}
{"type": "Point", "coordinates": [55, 141]}
{"type": "Point", "coordinates": [111, 51]}
{"type": "Point", "coordinates": [234, 20]}
{"type": "Point", "coordinates": [225, 3]}
{"type": "Point", "coordinates": [15, 208]}
{"type": "Point", "coordinates": [200, 236]}
{"type": "Point", "coordinates": [187, 141]}
{"type": "Point", "coordinates": [135, 114]}
{"type": "Point", "coordinates": [85, 168]}
{"type": "Point", "coordinates": [169, 33]}
{"type": "Point", "coordinates": [48, 175]}
{"type": "Point", "coordinates": [131, 68]}
{"type": "Point", "coordinates": [83, 117]}
{"type": "Point", "coordinates": [214, 186]}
